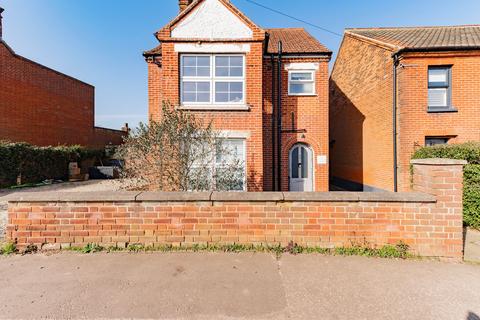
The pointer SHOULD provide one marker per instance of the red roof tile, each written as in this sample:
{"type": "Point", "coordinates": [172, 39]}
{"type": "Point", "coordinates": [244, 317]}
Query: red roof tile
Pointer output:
{"type": "Point", "coordinates": [294, 40]}
{"type": "Point", "coordinates": [432, 38]}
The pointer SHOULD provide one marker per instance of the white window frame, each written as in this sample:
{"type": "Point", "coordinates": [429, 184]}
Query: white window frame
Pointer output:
{"type": "Point", "coordinates": [244, 142]}
{"type": "Point", "coordinates": [212, 79]}
{"type": "Point", "coordinates": [313, 81]}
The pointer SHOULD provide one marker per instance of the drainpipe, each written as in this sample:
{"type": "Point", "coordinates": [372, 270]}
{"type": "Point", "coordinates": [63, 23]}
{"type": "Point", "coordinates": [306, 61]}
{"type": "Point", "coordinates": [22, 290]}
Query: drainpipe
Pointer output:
{"type": "Point", "coordinates": [394, 120]}
{"type": "Point", "coordinates": [279, 118]}
{"type": "Point", "coordinates": [274, 186]}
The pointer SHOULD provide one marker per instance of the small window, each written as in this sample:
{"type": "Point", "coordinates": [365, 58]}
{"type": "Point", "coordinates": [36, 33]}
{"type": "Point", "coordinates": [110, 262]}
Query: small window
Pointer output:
{"type": "Point", "coordinates": [301, 83]}
{"type": "Point", "coordinates": [434, 141]}
{"type": "Point", "coordinates": [439, 88]}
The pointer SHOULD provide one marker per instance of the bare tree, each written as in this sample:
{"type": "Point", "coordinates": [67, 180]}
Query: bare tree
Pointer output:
{"type": "Point", "coordinates": [179, 153]}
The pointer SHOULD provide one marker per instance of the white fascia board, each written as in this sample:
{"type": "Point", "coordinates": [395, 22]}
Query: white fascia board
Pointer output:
{"type": "Point", "coordinates": [212, 47]}
{"type": "Point", "coordinates": [302, 66]}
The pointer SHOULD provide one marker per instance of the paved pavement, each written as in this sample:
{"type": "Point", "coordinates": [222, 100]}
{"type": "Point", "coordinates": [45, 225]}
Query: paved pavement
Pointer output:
{"type": "Point", "coordinates": [472, 246]}
{"type": "Point", "coordinates": [235, 286]}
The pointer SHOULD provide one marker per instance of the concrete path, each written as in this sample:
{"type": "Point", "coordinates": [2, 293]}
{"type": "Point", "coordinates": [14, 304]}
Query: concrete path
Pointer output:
{"type": "Point", "coordinates": [472, 245]}
{"type": "Point", "coordinates": [235, 286]}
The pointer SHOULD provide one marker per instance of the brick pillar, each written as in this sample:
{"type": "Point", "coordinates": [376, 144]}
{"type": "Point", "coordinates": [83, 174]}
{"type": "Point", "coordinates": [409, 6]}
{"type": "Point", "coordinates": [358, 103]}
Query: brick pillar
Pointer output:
{"type": "Point", "coordinates": [443, 178]}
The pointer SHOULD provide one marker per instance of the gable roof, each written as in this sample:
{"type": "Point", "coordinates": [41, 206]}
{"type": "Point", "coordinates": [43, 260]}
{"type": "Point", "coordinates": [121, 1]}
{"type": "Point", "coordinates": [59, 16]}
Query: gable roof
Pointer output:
{"type": "Point", "coordinates": [294, 40]}
{"type": "Point", "coordinates": [195, 3]}
{"type": "Point", "coordinates": [423, 38]}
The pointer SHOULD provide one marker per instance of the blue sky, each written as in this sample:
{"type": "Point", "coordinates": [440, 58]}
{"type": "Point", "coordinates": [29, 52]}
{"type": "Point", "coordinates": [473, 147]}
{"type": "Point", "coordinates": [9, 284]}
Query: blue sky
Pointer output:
{"type": "Point", "coordinates": [100, 41]}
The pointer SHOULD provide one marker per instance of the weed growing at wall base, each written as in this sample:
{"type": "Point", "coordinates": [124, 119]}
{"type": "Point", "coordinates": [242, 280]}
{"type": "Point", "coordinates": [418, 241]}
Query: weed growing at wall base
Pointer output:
{"type": "Point", "coordinates": [400, 250]}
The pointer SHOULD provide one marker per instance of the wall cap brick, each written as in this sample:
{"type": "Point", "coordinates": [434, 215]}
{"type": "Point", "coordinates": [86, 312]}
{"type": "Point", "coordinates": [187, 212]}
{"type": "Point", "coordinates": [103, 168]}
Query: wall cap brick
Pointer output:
{"type": "Point", "coordinates": [104, 196]}
{"type": "Point", "coordinates": [174, 196]}
{"type": "Point", "coordinates": [438, 161]}
{"type": "Point", "coordinates": [137, 196]}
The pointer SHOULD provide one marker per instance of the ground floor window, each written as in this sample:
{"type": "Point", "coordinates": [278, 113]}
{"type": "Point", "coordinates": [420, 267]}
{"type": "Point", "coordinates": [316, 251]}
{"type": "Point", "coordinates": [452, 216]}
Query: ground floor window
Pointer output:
{"type": "Point", "coordinates": [221, 167]}
{"type": "Point", "coordinates": [433, 141]}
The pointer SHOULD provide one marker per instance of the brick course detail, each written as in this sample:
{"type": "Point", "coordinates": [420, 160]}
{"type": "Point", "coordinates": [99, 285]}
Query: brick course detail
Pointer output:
{"type": "Point", "coordinates": [429, 222]}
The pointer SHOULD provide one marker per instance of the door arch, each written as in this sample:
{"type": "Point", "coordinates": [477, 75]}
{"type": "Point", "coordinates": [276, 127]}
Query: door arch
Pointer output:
{"type": "Point", "coordinates": [300, 168]}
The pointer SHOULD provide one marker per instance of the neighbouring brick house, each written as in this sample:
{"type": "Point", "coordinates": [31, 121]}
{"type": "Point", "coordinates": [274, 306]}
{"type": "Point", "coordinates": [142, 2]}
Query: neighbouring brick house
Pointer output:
{"type": "Point", "coordinates": [437, 100]}
{"type": "Point", "coordinates": [216, 63]}
{"type": "Point", "coordinates": [44, 107]}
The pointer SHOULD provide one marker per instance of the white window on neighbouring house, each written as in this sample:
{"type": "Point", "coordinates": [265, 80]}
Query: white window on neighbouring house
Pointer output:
{"type": "Point", "coordinates": [212, 79]}
{"type": "Point", "coordinates": [439, 88]}
{"type": "Point", "coordinates": [301, 82]}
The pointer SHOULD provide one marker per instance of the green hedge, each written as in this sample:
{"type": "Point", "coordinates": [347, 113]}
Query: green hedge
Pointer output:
{"type": "Point", "coordinates": [36, 164]}
{"type": "Point", "coordinates": [471, 192]}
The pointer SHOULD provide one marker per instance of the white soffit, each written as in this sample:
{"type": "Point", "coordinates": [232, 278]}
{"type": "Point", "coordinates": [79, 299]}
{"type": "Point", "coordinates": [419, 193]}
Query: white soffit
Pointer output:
{"type": "Point", "coordinates": [212, 47]}
{"type": "Point", "coordinates": [301, 66]}
{"type": "Point", "coordinates": [211, 20]}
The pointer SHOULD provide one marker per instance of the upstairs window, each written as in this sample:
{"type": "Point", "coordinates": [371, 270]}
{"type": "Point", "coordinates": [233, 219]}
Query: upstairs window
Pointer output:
{"type": "Point", "coordinates": [439, 88]}
{"type": "Point", "coordinates": [301, 83]}
{"type": "Point", "coordinates": [212, 79]}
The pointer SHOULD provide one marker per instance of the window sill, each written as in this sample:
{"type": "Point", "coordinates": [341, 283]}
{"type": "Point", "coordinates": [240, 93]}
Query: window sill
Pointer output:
{"type": "Point", "coordinates": [302, 94]}
{"type": "Point", "coordinates": [209, 107]}
{"type": "Point", "coordinates": [441, 110]}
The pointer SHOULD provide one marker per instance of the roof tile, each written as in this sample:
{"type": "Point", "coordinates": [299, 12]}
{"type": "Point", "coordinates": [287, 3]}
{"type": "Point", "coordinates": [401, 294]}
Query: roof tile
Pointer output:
{"type": "Point", "coordinates": [424, 37]}
{"type": "Point", "coordinates": [294, 40]}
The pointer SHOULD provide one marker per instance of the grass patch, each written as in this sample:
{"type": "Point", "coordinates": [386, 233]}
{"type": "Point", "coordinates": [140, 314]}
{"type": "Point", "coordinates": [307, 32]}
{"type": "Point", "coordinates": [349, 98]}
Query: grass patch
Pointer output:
{"type": "Point", "coordinates": [8, 248]}
{"type": "Point", "coordinates": [400, 250]}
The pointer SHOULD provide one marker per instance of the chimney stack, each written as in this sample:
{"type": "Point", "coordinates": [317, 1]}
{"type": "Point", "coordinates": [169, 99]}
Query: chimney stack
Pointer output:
{"type": "Point", "coordinates": [183, 4]}
{"type": "Point", "coordinates": [1, 10]}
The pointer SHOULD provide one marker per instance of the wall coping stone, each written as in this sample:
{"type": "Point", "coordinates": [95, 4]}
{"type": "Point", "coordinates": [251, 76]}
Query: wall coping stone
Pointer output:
{"type": "Point", "coordinates": [52, 196]}
{"type": "Point", "coordinates": [157, 196]}
{"type": "Point", "coordinates": [439, 161]}
{"type": "Point", "coordinates": [137, 196]}
{"type": "Point", "coordinates": [247, 196]}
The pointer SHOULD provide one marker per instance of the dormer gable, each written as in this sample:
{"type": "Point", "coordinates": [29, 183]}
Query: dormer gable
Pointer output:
{"type": "Point", "coordinates": [211, 20]}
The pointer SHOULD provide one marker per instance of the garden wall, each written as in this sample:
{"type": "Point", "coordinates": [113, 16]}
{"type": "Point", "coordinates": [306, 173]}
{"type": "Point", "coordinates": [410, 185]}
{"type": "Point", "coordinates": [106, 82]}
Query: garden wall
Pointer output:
{"type": "Point", "coordinates": [429, 221]}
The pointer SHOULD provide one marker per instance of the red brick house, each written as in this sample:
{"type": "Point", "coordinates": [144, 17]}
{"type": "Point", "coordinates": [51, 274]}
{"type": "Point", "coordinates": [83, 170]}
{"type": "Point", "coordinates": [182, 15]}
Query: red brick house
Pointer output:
{"type": "Point", "coordinates": [44, 107]}
{"type": "Point", "coordinates": [215, 62]}
{"type": "Point", "coordinates": [393, 90]}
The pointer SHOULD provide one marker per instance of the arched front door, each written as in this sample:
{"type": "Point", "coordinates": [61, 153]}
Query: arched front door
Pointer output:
{"type": "Point", "coordinates": [301, 168]}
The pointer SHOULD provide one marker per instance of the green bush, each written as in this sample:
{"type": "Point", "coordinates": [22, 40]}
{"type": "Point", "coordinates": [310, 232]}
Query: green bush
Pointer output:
{"type": "Point", "coordinates": [469, 151]}
{"type": "Point", "coordinates": [35, 164]}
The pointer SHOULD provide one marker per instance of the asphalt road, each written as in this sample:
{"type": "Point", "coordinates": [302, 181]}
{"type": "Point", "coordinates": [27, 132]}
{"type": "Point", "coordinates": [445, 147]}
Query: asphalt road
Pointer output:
{"type": "Point", "coordinates": [234, 286]}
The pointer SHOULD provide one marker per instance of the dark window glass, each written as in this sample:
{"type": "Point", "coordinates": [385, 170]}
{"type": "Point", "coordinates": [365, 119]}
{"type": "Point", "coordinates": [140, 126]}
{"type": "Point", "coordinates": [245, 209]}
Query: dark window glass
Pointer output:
{"type": "Point", "coordinates": [433, 141]}
{"type": "Point", "coordinates": [439, 88]}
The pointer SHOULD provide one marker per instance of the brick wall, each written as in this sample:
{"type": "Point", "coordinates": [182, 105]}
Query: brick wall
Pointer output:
{"type": "Point", "coordinates": [361, 116]}
{"type": "Point", "coordinates": [308, 114]}
{"type": "Point", "coordinates": [105, 136]}
{"type": "Point", "coordinates": [42, 106]}
{"type": "Point", "coordinates": [361, 100]}
{"type": "Point", "coordinates": [415, 123]}
{"type": "Point", "coordinates": [429, 222]}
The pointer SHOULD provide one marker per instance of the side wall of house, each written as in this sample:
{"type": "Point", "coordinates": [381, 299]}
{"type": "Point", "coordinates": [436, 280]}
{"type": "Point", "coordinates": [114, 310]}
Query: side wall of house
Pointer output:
{"type": "Point", "coordinates": [41, 106]}
{"type": "Point", "coordinates": [304, 118]}
{"type": "Point", "coordinates": [415, 123]}
{"type": "Point", "coordinates": [361, 154]}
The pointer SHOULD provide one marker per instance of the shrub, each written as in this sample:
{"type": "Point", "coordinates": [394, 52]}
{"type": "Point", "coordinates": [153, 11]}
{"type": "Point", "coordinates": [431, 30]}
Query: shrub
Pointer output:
{"type": "Point", "coordinates": [34, 164]}
{"type": "Point", "coordinates": [179, 153]}
{"type": "Point", "coordinates": [470, 152]}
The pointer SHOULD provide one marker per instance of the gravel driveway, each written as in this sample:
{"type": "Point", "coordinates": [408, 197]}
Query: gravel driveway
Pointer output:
{"type": "Point", "coordinates": [84, 186]}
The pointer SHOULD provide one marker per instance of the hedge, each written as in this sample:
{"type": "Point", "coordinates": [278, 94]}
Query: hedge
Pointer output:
{"type": "Point", "coordinates": [469, 151]}
{"type": "Point", "coordinates": [35, 164]}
